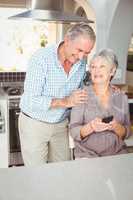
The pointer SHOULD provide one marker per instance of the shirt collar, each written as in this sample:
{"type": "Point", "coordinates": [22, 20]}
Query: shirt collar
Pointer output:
{"type": "Point", "coordinates": [56, 53]}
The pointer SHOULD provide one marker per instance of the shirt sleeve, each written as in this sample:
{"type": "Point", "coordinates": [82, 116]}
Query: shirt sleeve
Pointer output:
{"type": "Point", "coordinates": [127, 123]}
{"type": "Point", "coordinates": [34, 83]}
{"type": "Point", "coordinates": [76, 122]}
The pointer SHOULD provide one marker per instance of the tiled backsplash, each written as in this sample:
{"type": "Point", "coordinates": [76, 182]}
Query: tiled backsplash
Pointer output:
{"type": "Point", "coordinates": [12, 76]}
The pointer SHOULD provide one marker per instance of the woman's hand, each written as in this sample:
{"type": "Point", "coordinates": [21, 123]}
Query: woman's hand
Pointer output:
{"type": "Point", "coordinates": [98, 125]}
{"type": "Point", "coordinates": [118, 128]}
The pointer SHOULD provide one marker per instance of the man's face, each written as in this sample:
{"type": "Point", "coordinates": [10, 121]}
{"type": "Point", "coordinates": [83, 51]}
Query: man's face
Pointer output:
{"type": "Point", "coordinates": [78, 48]}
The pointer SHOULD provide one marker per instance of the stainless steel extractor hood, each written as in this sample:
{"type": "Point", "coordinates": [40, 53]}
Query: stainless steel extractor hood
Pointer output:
{"type": "Point", "coordinates": [49, 10]}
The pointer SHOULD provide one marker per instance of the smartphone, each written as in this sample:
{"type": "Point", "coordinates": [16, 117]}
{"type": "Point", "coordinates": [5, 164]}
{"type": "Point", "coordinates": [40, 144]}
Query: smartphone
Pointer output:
{"type": "Point", "coordinates": [107, 119]}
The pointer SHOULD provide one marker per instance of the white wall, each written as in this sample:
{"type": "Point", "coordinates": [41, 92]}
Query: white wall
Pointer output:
{"type": "Point", "coordinates": [114, 28]}
{"type": "Point", "coordinates": [120, 33]}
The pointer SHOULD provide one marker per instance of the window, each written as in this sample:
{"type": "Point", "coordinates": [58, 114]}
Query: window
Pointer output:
{"type": "Point", "coordinates": [19, 39]}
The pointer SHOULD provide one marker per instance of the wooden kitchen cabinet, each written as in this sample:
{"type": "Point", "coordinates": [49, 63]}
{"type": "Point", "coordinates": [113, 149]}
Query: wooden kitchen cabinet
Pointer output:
{"type": "Point", "coordinates": [15, 3]}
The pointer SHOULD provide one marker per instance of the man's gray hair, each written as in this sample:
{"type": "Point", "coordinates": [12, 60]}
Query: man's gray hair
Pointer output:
{"type": "Point", "coordinates": [81, 29]}
{"type": "Point", "coordinates": [109, 56]}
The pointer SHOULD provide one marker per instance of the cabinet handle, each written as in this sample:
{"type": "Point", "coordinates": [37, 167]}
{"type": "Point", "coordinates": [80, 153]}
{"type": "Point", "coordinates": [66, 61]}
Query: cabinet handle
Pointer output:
{"type": "Point", "coordinates": [17, 113]}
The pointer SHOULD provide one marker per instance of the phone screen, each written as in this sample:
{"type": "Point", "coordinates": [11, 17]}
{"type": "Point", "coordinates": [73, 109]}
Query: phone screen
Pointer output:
{"type": "Point", "coordinates": [107, 119]}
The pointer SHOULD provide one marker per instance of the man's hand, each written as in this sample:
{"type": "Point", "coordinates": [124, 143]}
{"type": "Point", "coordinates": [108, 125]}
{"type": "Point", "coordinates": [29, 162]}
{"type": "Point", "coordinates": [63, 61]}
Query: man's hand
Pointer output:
{"type": "Point", "coordinates": [77, 97]}
{"type": "Point", "coordinates": [115, 88]}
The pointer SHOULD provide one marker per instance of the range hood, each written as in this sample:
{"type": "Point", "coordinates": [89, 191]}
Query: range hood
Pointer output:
{"type": "Point", "coordinates": [50, 11]}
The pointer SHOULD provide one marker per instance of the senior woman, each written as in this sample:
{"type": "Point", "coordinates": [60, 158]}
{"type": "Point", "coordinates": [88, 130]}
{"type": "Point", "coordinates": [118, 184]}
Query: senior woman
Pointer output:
{"type": "Point", "coordinates": [92, 135]}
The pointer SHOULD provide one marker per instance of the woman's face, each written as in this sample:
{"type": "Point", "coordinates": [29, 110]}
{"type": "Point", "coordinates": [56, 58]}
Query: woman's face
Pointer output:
{"type": "Point", "coordinates": [101, 70]}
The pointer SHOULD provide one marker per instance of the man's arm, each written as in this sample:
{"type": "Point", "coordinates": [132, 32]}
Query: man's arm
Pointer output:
{"type": "Point", "coordinates": [77, 97]}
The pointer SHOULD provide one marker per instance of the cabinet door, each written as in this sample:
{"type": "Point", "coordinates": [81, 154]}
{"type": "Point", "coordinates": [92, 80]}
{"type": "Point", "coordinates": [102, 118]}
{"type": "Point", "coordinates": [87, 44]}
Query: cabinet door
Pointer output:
{"type": "Point", "coordinates": [4, 134]}
{"type": "Point", "coordinates": [15, 3]}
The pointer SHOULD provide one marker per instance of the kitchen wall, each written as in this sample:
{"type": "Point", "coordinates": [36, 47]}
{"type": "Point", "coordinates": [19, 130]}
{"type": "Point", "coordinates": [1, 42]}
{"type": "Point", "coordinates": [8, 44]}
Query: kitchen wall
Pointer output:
{"type": "Point", "coordinates": [111, 32]}
{"type": "Point", "coordinates": [110, 18]}
{"type": "Point", "coordinates": [114, 28]}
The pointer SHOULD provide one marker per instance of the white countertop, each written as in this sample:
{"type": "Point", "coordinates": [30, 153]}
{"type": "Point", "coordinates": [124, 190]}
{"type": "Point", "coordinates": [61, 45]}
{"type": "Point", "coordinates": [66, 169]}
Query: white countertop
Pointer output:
{"type": "Point", "coordinates": [129, 141]}
{"type": "Point", "coordinates": [130, 100]}
{"type": "Point", "coordinates": [106, 178]}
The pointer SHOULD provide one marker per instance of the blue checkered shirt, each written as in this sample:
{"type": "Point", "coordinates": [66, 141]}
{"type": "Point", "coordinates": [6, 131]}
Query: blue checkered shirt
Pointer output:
{"type": "Point", "coordinates": [46, 80]}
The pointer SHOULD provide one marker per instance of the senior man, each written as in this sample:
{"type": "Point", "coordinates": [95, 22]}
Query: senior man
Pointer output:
{"type": "Point", "coordinates": [53, 86]}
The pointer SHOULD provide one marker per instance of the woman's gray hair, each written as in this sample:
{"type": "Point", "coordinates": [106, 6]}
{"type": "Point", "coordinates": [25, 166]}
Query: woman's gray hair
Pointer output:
{"type": "Point", "coordinates": [81, 29]}
{"type": "Point", "coordinates": [109, 56]}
